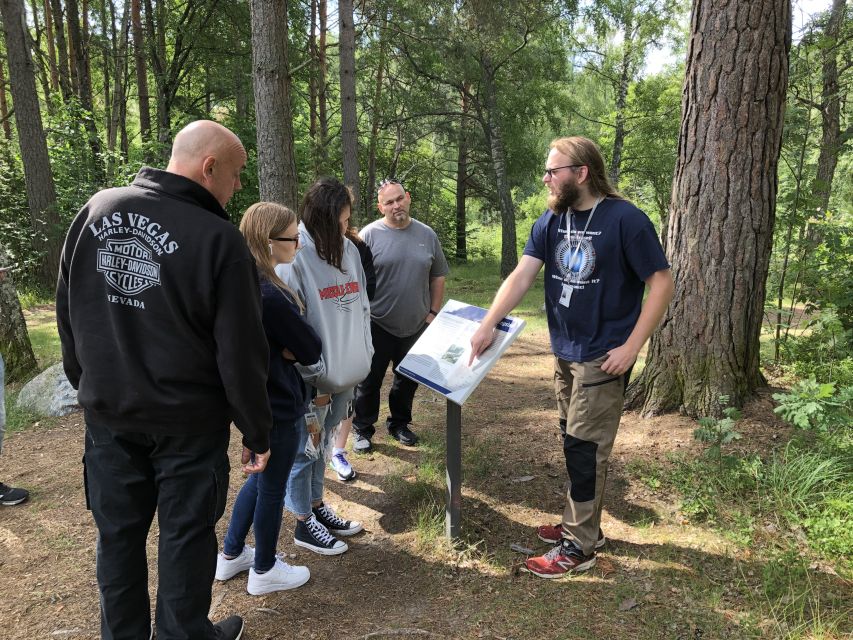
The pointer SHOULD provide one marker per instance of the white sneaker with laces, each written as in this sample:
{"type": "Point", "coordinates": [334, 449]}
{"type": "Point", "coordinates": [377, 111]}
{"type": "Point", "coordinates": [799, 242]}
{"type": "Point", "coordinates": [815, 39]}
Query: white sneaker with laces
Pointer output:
{"type": "Point", "coordinates": [227, 569]}
{"type": "Point", "coordinates": [281, 577]}
{"type": "Point", "coordinates": [342, 467]}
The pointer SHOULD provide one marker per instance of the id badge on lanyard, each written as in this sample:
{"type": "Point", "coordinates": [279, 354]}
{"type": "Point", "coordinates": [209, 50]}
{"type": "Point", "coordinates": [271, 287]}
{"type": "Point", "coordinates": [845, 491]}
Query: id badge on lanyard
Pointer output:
{"type": "Point", "coordinates": [568, 288]}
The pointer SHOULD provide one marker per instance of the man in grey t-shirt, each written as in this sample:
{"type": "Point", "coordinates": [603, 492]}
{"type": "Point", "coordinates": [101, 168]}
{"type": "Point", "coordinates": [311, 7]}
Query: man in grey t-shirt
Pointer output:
{"type": "Point", "coordinates": [410, 273]}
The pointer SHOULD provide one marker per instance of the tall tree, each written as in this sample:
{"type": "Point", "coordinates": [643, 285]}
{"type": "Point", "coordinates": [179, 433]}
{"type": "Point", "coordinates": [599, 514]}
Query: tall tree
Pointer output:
{"type": "Point", "coordinates": [41, 194]}
{"type": "Point", "coordinates": [723, 208]}
{"type": "Point", "coordinates": [61, 49]}
{"type": "Point", "coordinates": [349, 118]}
{"type": "Point", "coordinates": [271, 78]}
{"type": "Point", "coordinates": [51, 47]}
{"type": "Point", "coordinates": [141, 72]}
{"type": "Point", "coordinates": [4, 105]}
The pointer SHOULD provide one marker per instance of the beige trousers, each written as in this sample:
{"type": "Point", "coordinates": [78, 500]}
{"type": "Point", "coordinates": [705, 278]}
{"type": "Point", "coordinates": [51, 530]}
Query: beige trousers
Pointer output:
{"type": "Point", "coordinates": [590, 405]}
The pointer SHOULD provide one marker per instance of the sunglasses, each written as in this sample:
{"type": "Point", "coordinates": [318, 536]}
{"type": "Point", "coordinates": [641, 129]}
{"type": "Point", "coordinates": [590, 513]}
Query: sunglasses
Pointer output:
{"type": "Point", "coordinates": [286, 239]}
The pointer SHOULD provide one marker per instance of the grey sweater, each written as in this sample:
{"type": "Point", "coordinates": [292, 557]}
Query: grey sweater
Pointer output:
{"type": "Point", "coordinates": [336, 306]}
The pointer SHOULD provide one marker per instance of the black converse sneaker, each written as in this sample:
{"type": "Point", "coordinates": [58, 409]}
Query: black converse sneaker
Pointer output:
{"type": "Point", "coordinates": [314, 536]}
{"type": "Point", "coordinates": [334, 523]}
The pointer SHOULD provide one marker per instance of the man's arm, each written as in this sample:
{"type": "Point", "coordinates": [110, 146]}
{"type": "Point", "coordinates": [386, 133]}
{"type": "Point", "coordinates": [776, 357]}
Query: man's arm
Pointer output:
{"type": "Point", "coordinates": [436, 296]}
{"type": "Point", "coordinates": [661, 288]}
{"type": "Point", "coordinates": [506, 299]}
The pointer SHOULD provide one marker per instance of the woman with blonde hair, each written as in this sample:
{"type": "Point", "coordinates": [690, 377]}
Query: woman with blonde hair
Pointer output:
{"type": "Point", "coordinates": [272, 236]}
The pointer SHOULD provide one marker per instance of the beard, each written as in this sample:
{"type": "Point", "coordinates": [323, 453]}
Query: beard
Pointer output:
{"type": "Point", "coordinates": [565, 198]}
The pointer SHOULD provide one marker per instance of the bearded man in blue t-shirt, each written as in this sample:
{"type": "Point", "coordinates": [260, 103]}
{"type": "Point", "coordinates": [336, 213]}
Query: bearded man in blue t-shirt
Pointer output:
{"type": "Point", "coordinates": [600, 253]}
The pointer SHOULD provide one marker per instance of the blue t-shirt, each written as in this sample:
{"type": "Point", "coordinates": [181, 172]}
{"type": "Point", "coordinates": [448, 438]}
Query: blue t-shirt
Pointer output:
{"type": "Point", "coordinates": [618, 252]}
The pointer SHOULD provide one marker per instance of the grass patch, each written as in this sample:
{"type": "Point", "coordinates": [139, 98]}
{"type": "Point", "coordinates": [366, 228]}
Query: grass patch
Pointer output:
{"type": "Point", "coordinates": [477, 282]}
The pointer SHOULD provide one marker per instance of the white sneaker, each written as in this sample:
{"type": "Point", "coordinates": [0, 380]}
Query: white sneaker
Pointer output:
{"type": "Point", "coordinates": [227, 569]}
{"type": "Point", "coordinates": [281, 577]}
{"type": "Point", "coordinates": [342, 467]}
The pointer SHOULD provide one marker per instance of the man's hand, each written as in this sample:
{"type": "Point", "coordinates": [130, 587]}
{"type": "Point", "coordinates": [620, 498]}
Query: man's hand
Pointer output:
{"type": "Point", "coordinates": [287, 354]}
{"type": "Point", "coordinates": [480, 341]}
{"type": "Point", "coordinates": [254, 462]}
{"type": "Point", "coordinates": [619, 360]}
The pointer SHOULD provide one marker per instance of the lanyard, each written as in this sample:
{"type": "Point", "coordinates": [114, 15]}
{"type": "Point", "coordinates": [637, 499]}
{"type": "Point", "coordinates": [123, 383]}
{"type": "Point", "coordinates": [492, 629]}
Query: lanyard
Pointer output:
{"type": "Point", "coordinates": [583, 233]}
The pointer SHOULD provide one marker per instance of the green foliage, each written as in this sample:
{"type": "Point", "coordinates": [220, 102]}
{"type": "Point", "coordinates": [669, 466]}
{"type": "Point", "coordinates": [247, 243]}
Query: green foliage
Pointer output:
{"type": "Point", "coordinates": [812, 405]}
{"type": "Point", "coordinates": [719, 431]}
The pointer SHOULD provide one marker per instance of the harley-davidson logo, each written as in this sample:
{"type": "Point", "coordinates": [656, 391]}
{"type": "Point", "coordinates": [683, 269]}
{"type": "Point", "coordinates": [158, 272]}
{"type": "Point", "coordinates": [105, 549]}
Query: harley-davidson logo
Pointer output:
{"type": "Point", "coordinates": [128, 267]}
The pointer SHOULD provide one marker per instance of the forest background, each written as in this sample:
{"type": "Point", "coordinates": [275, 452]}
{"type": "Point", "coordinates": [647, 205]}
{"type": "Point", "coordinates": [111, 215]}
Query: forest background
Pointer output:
{"type": "Point", "coordinates": [459, 101]}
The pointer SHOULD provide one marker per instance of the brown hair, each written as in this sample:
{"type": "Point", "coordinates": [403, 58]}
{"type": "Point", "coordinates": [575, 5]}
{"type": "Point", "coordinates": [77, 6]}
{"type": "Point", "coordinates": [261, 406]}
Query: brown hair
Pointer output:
{"type": "Point", "coordinates": [321, 210]}
{"type": "Point", "coordinates": [262, 221]}
{"type": "Point", "coordinates": [583, 151]}
{"type": "Point", "coordinates": [352, 234]}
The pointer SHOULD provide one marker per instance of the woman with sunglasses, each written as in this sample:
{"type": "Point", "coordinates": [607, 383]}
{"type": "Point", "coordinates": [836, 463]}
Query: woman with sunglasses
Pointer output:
{"type": "Point", "coordinates": [271, 234]}
{"type": "Point", "coordinates": [329, 277]}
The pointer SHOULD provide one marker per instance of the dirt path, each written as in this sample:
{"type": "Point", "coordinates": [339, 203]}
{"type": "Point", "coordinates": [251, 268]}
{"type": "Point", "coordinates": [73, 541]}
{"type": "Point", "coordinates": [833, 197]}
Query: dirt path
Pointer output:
{"type": "Point", "coordinates": [399, 578]}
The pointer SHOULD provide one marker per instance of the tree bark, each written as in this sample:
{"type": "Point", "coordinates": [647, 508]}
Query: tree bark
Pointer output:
{"type": "Point", "coordinates": [322, 92]}
{"type": "Point", "coordinates": [141, 72]}
{"type": "Point", "coordinates": [271, 79]}
{"type": "Point", "coordinates": [830, 112]}
{"type": "Point", "coordinates": [15, 346]}
{"type": "Point", "coordinates": [41, 194]}
{"type": "Point", "coordinates": [51, 47]}
{"type": "Point", "coordinates": [349, 119]}
{"type": "Point", "coordinates": [462, 185]}
{"type": "Point", "coordinates": [84, 85]}
{"type": "Point", "coordinates": [370, 185]}
{"type": "Point", "coordinates": [622, 100]}
{"type": "Point", "coordinates": [497, 150]}
{"type": "Point", "coordinates": [4, 105]}
{"type": "Point", "coordinates": [61, 49]}
{"type": "Point", "coordinates": [723, 209]}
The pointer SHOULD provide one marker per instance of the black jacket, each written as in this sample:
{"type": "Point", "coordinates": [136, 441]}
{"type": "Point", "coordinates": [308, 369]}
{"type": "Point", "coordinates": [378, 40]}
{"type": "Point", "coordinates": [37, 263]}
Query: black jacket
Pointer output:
{"type": "Point", "coordinates": [159, 313]}
{"type": "Point", "coordinates": [286, 328]}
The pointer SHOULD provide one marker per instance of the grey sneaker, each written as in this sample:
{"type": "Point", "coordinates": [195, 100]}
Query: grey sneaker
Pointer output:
{"type": "Point", "coordinates": [361, 444]}
{"type": "Point", "coordinates": [342, 467]}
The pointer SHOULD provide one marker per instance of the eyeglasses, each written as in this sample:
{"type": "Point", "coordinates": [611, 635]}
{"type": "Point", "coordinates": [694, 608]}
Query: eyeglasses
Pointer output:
{"type": "Point", "coordinates": [550, 172]}
{"type": "Point", "coordinates": [385, 182]}
{"type": "Point", "coordinates": [295, 239]}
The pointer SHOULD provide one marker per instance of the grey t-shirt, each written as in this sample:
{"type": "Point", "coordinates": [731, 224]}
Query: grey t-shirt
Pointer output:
{"type": "Point", "coordinates": [405, 260]}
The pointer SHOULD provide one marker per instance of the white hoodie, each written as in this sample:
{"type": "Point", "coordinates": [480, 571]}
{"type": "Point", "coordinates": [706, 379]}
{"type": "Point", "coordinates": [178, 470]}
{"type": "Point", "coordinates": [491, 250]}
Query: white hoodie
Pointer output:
{"type": "Point", "coordinates": [336, 306]}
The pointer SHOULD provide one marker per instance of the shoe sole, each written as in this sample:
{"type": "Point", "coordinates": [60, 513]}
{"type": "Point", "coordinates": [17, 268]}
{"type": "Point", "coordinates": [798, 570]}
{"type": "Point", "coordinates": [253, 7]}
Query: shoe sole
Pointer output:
{"type": "Point", "coordinates": [367, 450]}
{"type": "Point", "coordinates": [598, 543]}
{"type": "Point", "coordinates": [228, 576]}
{"type": "Point", "coordinates": [584, 566]}
{"type": "Point", "coordinates": [277, 587]}
{"type": "Point", "coordinates": [348, 478]}
{"type": "Point", "coordinates": [12, 503]}
{"type": "Point", "coordinates": [323, 551]}
{"type": "Point", "coordinates": [346, 532]}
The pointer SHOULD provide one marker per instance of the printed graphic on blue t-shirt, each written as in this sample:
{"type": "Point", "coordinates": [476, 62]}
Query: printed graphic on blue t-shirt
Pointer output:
{"type": "Point", "coordinates": [606, 266]}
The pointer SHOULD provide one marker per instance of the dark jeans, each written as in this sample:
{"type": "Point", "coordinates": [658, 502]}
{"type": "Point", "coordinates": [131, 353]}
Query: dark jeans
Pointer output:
{"type": "Point", "coordinates": [387, 349]}
{"type": "Point", "coordinates": [259, 502]}
{"type": "Point", "coordinates": [129, 476]}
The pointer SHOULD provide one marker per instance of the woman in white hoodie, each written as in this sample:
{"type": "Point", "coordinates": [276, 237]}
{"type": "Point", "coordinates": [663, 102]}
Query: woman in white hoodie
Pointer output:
{"type": "Point", "coordinates": [329, 278]}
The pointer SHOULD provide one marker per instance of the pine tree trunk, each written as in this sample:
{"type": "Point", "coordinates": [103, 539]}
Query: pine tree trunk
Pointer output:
{"type": "Point", "coordinates": [141, 72]}
{"type": "Point", "coordinates": [462, 185]}
{"type": "Point", "coordinates": [349, 119]}
{"type": "Point", "coordinates": [723, 209]}
{"type": "Point", "coordinates": [41, 194]}
{"type": "Point", "coordinates": [494, 139]}
{"type": "Point", "coordinates": [322, 89]}
{"type": "Point", "coordinates": [370, 185]}
{"type": "Point", "coordinates": [4, 104]}
{"type": "Point", "coordinates": [830, 143]}
{"type": "Point", "coordinates": [51, 47]}
{"type": "Point", "coordinates": [271, 78]}
{"type": "Point", "coordinates": [621, 102]}
{"type": "Point", "coordinates": [15, 344]}
{"type": "Point", "coordinates": [61, 49]}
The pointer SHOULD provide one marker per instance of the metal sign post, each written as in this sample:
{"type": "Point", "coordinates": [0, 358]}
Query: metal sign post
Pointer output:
{"type": "Point", "coordinates": [454, 470]}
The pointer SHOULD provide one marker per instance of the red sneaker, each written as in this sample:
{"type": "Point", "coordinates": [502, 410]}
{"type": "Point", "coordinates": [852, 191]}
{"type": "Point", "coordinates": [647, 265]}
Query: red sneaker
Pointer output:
{"type": "Point", "coordinates": [563, 559]}
{"type": "Point", "coordinates": [553, 533]}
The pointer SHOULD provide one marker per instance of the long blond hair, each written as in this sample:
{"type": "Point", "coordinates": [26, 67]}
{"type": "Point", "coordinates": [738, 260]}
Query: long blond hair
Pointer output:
{"type": "Point", "coordinates": [262, 221]}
